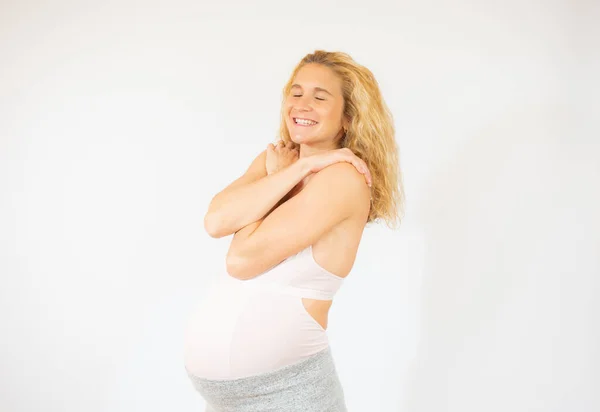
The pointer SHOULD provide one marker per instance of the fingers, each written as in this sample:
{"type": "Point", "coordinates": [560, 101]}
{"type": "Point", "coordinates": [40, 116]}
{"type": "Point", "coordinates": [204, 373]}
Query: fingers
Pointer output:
{"type": "Point", "coordinates": [367, 173]}
{"type": "Point", "coordinates": [369, 178]}
{"type": "Point", "coordinates": [359, 164]}
{"type": "Point", "coordinates": [362, 168]}
{"type": "Point", "coordinates": [280, 145]}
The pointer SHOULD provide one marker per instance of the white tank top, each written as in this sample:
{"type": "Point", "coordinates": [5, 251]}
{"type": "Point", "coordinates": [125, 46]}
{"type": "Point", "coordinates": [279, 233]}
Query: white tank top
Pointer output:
{"type": "Point", "coordinates": [247, 327]}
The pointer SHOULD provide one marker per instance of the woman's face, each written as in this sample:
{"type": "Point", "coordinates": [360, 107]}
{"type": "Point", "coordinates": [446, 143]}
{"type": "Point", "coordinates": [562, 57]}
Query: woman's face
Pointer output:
{"type": "Point", "coordinates": [314, 106]}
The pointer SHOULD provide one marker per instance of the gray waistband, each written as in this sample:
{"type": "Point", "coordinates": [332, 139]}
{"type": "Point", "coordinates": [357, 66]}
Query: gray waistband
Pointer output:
{"type": "Point", "coordinates": [310, 385]}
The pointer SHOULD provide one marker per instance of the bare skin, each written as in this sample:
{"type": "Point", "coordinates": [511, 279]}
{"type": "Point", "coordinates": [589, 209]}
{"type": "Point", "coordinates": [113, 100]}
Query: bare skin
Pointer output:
{"type": "Point", "coordinates": [316, 122]}
{"type": "Point", "coordinates": [336, 250]}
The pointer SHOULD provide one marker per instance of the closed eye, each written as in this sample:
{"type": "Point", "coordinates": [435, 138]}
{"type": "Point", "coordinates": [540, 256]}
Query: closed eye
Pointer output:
{"type": "Point", "coordinates": [299, 95]}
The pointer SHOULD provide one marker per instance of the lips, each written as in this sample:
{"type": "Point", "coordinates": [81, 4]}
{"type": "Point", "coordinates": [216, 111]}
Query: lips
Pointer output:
{"type": "Point", "coordinates": [301, 121]}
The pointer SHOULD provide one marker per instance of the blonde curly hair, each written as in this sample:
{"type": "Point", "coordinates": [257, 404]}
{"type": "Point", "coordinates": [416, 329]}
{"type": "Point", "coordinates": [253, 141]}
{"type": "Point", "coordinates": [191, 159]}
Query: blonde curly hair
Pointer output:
{"type": "Point", "coordinates": [370, 133]}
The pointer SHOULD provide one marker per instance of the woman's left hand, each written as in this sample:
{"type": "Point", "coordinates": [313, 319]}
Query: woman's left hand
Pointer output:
{"type": "Point", "coordinates": [280, 156]}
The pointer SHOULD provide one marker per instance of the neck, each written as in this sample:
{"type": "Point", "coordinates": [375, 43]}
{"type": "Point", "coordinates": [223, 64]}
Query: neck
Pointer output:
{"type": "Point", "coordinates": [307, 150]}
{"type": "Point", "coordinates": [312, 149]}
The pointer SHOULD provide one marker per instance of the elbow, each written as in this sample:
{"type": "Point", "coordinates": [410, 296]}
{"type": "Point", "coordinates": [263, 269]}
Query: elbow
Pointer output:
{"type": "Point", "coordinates": [240, 266]}
{"type": "Point", "coordinates": [235, 266]}
{"type": "Point", "coordinates": [212, 226]}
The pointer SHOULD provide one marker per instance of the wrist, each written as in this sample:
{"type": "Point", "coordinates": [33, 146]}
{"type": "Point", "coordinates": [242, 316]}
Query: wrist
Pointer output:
{"type": "Point", "coordinates": [303, 167]}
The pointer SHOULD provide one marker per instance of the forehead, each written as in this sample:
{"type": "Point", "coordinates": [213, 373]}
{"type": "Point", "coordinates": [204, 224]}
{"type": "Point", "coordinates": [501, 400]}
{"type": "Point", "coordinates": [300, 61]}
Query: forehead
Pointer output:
{"type": "Point", "coordinates": [316, 75]}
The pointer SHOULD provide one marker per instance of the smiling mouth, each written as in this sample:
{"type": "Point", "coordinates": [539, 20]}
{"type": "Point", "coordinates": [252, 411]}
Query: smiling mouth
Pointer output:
{"type": "Point", "coordinates": [304, 122]}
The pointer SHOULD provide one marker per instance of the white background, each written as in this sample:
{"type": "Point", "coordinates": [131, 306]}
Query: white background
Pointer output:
{"type": "Point", "coordinates": [120, 120]}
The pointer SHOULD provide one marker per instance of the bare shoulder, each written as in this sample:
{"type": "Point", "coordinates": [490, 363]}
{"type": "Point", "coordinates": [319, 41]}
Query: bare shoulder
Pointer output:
{"type": "Point", "coordinates": [336, 250]}
{"type": "Point", "coordinates": [258, 165]}
{"type": "Point", "coordinates": [343, 179]}
{"type": "Point", "coordinates": [256, 170]}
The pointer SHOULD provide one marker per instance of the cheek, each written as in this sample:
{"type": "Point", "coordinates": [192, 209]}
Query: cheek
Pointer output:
{"type": "Point", "coordinates": [333, 117]}
{"type": "Point", "coordinates": [288, 106]}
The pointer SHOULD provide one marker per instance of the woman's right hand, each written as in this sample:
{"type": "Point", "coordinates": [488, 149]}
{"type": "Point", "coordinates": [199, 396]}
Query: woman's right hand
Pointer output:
{"type": "Point", "coordinates": [319, 161]}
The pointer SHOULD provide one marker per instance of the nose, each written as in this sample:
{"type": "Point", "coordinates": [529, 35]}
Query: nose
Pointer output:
{"type": "Point", "coordinates": [302, 104]}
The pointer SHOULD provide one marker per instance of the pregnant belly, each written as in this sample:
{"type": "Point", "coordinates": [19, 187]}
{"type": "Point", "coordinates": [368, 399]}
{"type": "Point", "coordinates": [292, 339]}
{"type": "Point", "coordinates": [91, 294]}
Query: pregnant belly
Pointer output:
{"type": "Point", "coordinates": [235, 333]}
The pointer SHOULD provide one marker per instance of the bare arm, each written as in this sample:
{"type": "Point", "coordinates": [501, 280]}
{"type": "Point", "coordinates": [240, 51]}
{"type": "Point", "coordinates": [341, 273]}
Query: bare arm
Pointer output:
{"type": "Point", "coordinates": [250, 197]}
{"type": "Point", "coordinates": [333, 195]}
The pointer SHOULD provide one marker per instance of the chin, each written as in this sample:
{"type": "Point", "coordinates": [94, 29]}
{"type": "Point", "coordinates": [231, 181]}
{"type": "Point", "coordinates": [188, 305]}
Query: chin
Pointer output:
{"type": "Point", "coordinates": [297, 139]}
{"type": "Point", "coordinates": [302, 139]}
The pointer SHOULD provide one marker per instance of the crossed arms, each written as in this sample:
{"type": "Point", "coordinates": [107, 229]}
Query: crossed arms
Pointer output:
{"type": "Point", "coordinates": [284, 228]}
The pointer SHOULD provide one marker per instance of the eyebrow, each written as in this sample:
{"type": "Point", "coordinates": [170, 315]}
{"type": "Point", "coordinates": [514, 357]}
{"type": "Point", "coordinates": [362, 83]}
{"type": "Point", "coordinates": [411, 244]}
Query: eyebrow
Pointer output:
{"type": "Point", "coordinates": [318, 89]}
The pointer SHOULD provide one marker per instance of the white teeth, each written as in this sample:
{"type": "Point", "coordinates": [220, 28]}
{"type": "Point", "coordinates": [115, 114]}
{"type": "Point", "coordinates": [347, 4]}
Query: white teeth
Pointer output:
{"type": "Point", "coordinates": [305, 122]}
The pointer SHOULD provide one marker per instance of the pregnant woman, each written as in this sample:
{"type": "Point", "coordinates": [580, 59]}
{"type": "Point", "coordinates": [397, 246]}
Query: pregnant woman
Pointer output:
{"type": "Point", "coordinates": [258, 340]}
